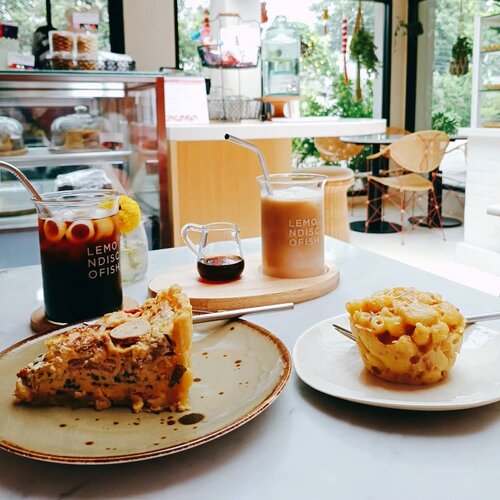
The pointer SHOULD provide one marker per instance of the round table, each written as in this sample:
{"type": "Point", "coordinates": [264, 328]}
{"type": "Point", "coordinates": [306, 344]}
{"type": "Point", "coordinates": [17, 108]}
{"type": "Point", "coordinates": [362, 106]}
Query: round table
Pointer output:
{"type": "Point", "coordinates": [373, 222]}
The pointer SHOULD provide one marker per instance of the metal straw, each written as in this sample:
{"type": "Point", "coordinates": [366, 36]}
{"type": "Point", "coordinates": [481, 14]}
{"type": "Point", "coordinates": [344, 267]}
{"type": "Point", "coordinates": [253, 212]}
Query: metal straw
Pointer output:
{"type": "Point", "coordinates": [236, 313]}
{"type": "Point", "coordinates": [258, 152]}
{"type": "Point", "coordinates": [27, 184]}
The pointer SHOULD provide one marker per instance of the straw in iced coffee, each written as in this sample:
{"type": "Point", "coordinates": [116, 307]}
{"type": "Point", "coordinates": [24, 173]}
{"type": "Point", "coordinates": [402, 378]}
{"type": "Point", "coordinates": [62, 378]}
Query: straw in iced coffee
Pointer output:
{"type": "Point", "coordinates": [258, 152]}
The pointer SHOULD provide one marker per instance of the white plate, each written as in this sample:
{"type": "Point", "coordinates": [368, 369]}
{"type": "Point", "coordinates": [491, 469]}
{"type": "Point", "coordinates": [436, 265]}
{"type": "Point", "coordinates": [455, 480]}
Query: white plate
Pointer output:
{"type": "Point", "coordinates": [239, 369]}
{"type": "Point", "coordinates": [330, 363]}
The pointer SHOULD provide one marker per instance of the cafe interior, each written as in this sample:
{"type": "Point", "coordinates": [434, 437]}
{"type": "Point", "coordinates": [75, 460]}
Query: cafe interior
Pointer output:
{"type": "Point", "coordinates": [211, 206]}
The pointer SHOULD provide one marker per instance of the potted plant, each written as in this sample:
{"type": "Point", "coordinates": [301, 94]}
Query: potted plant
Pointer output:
{"type": "Point", "coordinates": [363, 51]}
{"type": "Point", "coordinates": [460, 53]}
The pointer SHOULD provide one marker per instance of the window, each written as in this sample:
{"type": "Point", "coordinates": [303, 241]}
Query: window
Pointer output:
{"type": "Point", "coordinates": [319, 24]}
{"type": "Point", "coordinates": [444, 99]}
{"type": "Point", "coordinates": [31, 14]}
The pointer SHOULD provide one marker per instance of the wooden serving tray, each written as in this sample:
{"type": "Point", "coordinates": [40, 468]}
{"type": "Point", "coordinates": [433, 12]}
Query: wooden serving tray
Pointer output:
{"type": "Point", "coordinates": [252, 289]}
{"type": "Point", "coordinates": [40, 324]}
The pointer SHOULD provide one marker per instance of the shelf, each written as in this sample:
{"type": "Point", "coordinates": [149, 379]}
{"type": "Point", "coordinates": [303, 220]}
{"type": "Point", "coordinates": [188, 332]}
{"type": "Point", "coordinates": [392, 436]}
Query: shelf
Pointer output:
{"type": "Point", "coordinates": [492, 51]}
{"type": "Point", "coordinates": [88, 84]}
{"type": "Point", "coordinates": [491, 124]}
{"type": "Point", "coordinates": [18, 222]}
{"type": "Point", "coordinates": [38, 157]}
{"type": "Point", "coordinates": [492, 20]}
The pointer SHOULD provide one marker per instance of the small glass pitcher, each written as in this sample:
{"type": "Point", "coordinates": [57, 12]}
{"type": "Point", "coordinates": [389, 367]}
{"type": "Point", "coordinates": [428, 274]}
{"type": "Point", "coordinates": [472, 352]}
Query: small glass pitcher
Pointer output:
{"type": "Point", "coordinates": [219, 255]}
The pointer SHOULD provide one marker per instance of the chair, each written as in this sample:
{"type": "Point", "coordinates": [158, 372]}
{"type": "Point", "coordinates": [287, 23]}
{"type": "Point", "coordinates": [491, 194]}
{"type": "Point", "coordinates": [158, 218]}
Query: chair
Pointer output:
{"type": "Point", "coordinates": [414, 155]}
{"type": "Point", "coordinates": [333, 150]}
{"type": "Point", "coordinates": [339, 181]}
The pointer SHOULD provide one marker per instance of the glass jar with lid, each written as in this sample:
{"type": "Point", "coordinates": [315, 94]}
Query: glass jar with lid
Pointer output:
{"type": "Point", "coordinates": [80, 130]}
{"type": "Point", "coordinates": [280, 58]}
{"type": "Point", "coordinates": [11, 136]}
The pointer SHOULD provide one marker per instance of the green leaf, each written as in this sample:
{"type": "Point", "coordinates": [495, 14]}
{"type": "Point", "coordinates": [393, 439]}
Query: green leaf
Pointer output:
{"type": "Point", "coordinates": [363, 50]}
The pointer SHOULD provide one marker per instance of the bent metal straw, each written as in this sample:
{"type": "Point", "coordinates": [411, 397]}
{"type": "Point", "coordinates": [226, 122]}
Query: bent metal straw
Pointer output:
{"type": "Point", "coordinates": [27, 184]}
{"type": "Point", "coordinates": [258, 152]}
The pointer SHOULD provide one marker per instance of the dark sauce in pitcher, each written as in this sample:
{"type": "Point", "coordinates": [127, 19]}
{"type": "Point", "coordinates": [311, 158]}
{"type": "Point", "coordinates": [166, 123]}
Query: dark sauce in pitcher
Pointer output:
{"type": "Point", "coordinates": [221, 267]}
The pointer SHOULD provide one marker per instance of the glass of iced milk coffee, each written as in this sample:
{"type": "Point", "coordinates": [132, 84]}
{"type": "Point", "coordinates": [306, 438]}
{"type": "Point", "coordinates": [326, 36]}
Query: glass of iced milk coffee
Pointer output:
{"type": "Point", "coordinates": [292, 225]}
{"type": "Point", "coordinates": [80, 254]}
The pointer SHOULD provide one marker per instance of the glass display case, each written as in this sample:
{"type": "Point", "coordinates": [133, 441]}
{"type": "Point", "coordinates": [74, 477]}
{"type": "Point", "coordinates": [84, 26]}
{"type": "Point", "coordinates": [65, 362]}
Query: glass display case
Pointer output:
{"type": "Point", "coordinates": [125, 113]}
{"type": "Point", "coordinates": [486, 72]}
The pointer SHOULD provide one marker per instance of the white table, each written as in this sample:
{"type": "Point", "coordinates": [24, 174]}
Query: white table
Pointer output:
{"type": "Point", "coordinates": [306, 445]}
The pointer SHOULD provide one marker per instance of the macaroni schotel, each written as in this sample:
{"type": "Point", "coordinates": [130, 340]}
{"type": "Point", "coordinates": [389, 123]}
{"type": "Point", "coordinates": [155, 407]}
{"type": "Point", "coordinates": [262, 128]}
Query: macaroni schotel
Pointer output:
{"type": "Point", "coordinates": [407, 336]}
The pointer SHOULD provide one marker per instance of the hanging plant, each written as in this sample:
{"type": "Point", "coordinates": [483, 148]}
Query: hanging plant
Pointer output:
{"type": "Point", "coordinates": [460, 53]}
{"type": "Point", "coordinates": [461, 50]}
{"type": "Point", "coordinates": [363, 51]}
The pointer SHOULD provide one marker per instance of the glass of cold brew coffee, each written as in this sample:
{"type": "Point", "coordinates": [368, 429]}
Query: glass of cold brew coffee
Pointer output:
{"type": "Point", "coordinates": [292, 225]}
{"type": "Point", "coordinates": [218, 251]}
{"type": "Point", "coordinates": [80, 254]}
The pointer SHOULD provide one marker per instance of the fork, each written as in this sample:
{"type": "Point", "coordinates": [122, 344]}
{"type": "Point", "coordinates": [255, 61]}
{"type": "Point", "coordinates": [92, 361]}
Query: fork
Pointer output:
{"type": "Point", "coordinates": [469, 320]}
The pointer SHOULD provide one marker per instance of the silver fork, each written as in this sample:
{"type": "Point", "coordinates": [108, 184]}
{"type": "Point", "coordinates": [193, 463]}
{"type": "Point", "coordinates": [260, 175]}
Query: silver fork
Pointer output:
{"type": "Point", "coordinates": [469, 320]}
{"type": "Point", "coordinates": [345, 332]}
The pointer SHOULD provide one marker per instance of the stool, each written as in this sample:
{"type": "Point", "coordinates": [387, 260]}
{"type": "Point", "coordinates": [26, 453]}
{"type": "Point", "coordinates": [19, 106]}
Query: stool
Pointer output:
{"type": "Point", "coordinates": [339, 181]}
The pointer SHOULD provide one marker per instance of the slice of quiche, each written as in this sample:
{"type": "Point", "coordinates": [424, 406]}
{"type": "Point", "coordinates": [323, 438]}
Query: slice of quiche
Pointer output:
{"type": "Point", "coordinates": [138, 358]}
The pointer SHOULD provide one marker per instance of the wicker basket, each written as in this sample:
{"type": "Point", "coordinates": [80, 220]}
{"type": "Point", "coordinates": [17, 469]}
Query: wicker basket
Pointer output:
{"type": "Point", "coordinates": [233, 108]}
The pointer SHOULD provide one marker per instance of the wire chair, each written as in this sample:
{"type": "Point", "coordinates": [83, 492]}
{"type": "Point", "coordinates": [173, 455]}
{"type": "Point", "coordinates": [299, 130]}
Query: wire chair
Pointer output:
{"type": "Point", "coordinates": [414, 155]}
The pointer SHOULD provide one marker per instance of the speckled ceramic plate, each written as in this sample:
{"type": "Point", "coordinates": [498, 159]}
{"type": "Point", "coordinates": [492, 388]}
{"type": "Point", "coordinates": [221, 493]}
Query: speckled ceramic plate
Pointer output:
{"type": "Point", "coordinates": [330, 363]}
{"type": "Point", "coordinates": [239, 370]}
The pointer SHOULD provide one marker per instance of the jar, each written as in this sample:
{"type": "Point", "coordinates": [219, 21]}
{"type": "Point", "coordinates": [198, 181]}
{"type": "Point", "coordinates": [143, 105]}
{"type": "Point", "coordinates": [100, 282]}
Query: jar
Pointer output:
{"type": "Point", "coordinates": [86, 62]}
{"type": "Point", "coordinates": [62, 41]}
{"type": "Point", "coordinates": [11, 135]}
{"type": "Point", "coordinates": [280, 59]}
{"type": "Point", "coordinates": [62, 61]}
{"type": "Point", "coordinates": [86, 43]}
{"type": "Point", "coordinates": [80, 130]}
{"type": "Point", "coordinates": [134, 254]}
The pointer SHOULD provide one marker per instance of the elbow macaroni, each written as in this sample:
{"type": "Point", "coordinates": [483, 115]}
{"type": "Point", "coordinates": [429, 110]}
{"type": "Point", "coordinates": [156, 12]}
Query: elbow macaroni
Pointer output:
{"type": "Point", "coordinates": [407, 336]}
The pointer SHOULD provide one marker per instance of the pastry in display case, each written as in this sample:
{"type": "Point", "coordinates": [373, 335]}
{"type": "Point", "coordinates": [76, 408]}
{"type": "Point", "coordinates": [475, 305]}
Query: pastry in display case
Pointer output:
{"type": "Point", "coordinates": [78, 131]}
{"type": "Point", "coordinates": [85, 179]}
{"type": "Point", "coordinates": [11, 137]}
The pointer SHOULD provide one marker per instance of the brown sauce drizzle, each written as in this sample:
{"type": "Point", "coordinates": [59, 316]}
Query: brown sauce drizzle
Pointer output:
{"type": "Point", "coordinates": [191, 418]}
